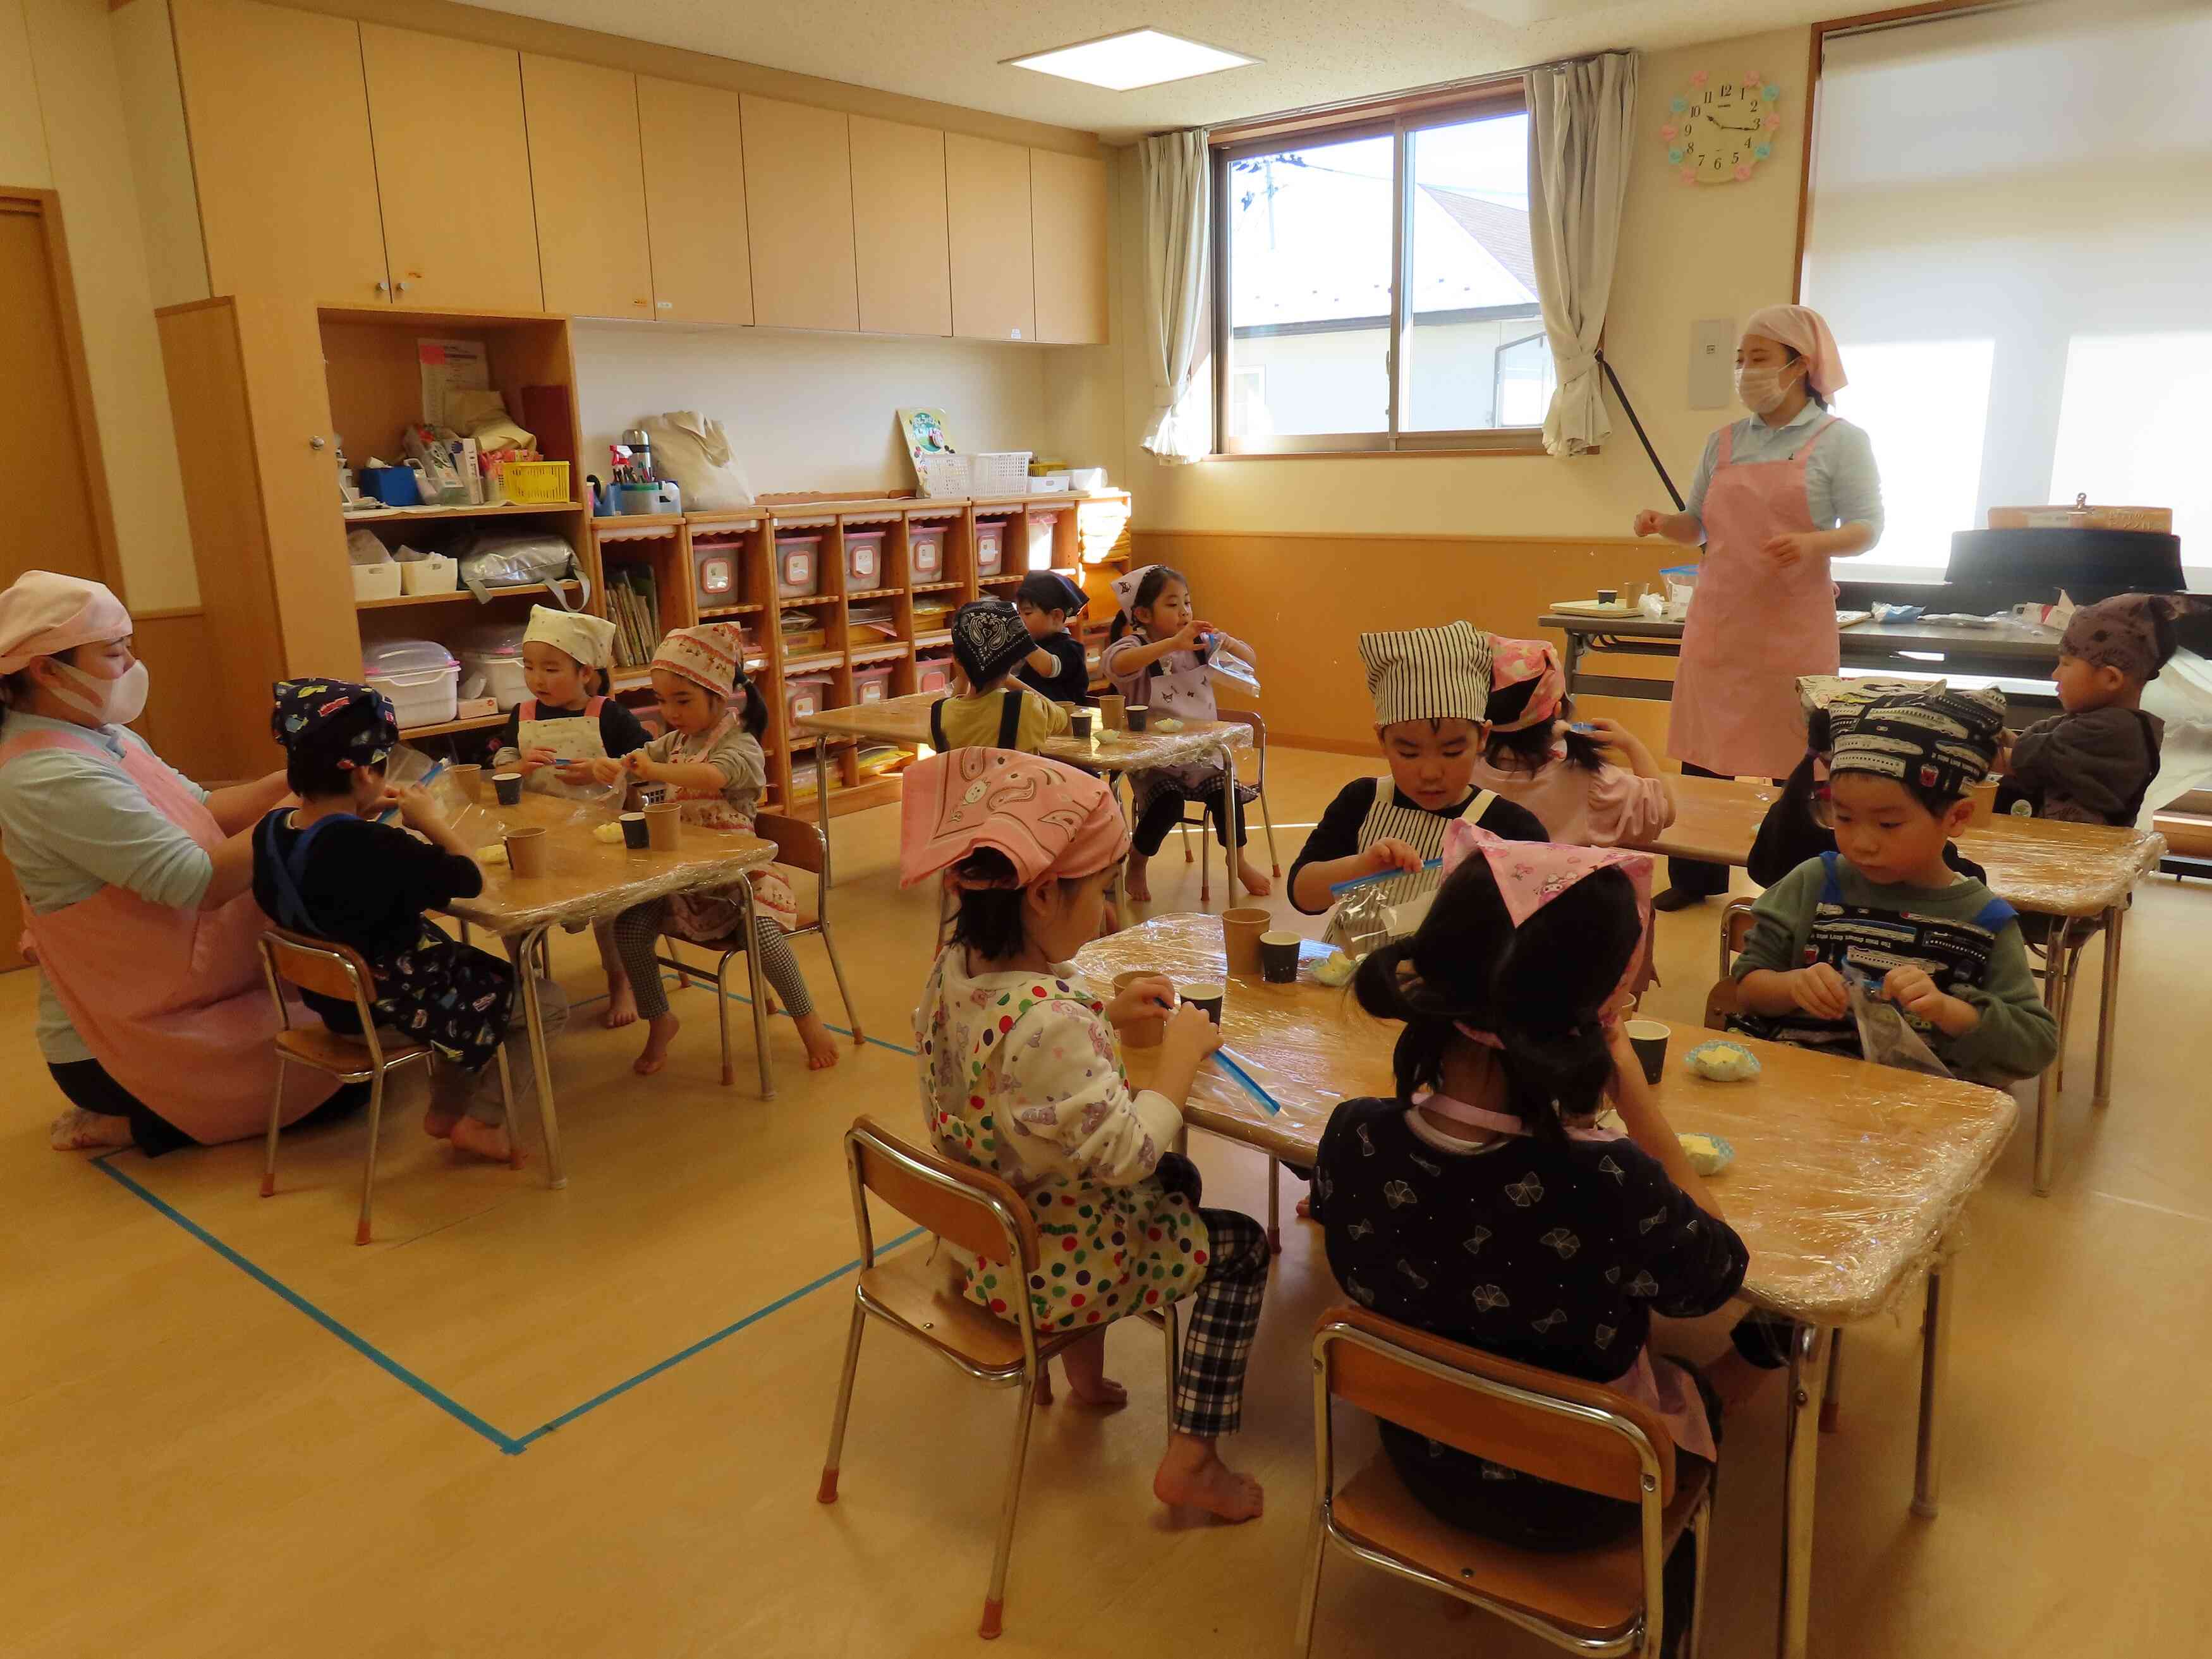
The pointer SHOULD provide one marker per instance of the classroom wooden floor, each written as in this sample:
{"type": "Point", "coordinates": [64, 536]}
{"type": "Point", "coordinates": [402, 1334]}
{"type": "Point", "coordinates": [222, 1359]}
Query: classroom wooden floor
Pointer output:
{"type": "Point", "coordinates": [590, 1422]}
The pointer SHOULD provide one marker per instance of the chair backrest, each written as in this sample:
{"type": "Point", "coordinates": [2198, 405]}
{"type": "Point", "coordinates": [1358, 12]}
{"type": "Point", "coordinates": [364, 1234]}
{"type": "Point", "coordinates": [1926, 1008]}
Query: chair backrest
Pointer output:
{"type": "Point", "coordinates": [1726, 998]}
{"type": "Point", "coordinates": [798, 843]}
{"type": "Point", "coordinates": [1736, 922]}
{"type": "Point", "coordinates": [971, 1207]}
{"type": "Point", "coordinates": [327, 969]}
{"type": "Point", "coordinates": [1556, 1428]}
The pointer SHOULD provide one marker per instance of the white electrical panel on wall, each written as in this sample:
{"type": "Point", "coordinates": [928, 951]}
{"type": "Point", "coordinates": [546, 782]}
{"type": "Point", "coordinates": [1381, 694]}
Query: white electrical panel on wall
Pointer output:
{"type": "Point", "coordinates": [1712, 362]}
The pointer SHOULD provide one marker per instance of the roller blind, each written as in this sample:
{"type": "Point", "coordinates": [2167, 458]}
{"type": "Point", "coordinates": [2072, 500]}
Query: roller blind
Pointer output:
{"type": "Point", "coordinates": [2010, 231]}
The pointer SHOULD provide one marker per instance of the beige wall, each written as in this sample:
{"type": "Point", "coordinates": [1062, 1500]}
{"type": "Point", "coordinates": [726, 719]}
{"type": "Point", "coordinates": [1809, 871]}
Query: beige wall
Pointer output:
{"type": "Point", "coordinates": [62, 128]}
{"type": "Point", "coordinates": [1687, 251]}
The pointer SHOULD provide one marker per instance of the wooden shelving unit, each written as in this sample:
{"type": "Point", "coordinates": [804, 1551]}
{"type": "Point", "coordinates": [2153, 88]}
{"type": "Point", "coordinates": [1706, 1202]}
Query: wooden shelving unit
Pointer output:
{"type": "Point", "coordinates": [534, 591]}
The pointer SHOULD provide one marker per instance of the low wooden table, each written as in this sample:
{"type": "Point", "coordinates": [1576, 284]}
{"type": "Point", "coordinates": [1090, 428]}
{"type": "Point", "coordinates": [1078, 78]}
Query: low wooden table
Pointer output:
{"type": "Point", "coordinates": [905, 720]}
{"type": "Point", "coordinates": [1896, 649]}
{"type": "Point", "coordinates": [1848, 1179]}
{"type": "Point", "coordinates": [2074, 872]}
{"type": "Point", "coordinates": [588, 880]}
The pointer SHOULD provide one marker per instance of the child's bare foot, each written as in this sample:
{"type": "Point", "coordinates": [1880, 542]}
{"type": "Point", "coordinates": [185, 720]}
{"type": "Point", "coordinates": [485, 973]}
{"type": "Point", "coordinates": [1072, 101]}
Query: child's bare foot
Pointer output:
{"type": "Point", "coordinates": [1250, 878]}
{"type": "Point", "coordinates": [1305, 1209]}
{"type": "Point", "coordinates": [821, 1047]}
{"type": "Point", "coordinates": [1192, 1473]}
{"type": "Point", "coordinates": [1134, 884]}
{"type": "Point", "coordinates": [659, 1033]}
{"type": "Point", "coordinates": [1086, 1362]}
{"type": "Point", "coordinates": [79, 1131]}
{"type": "Point", "coordinates": [488, 1140]}
{"type": "Point", "coordinates": [622, 1003]}
{"type": "Point", "coordinates": [438, 1123]}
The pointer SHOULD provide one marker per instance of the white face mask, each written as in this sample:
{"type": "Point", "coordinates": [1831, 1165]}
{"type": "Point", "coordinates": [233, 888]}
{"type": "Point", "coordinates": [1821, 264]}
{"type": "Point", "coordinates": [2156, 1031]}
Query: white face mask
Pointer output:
{"type": "Point", "coordinates": [1760, 390]}
{"type": "Point", "coordinates": [114, 702]}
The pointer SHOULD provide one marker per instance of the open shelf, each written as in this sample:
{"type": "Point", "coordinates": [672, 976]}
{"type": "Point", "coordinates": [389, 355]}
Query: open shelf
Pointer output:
{"type": "Point", "coordinates": [877, 593]}
{"type": "Point", "coordinates": [455, 597]}
{"type": "Point", "coordinates": [418, 514]}
{"type": "Point", "coordinates": [784, 604]}
{"type": "Point", "coordinates": [935, 587]}
{"type": "Point", "coordinates": [630, 679]}
{"type": "Point", "coordinates": [890, 651]}
{"type": "Point", "coordinates": [482, 722]}
{"type": "Point", "coordinates": [709, 612]}
{"type": "Point", "coordinates": [1001, 579]}
{"type": "Point", "coordinates": [819, 659]}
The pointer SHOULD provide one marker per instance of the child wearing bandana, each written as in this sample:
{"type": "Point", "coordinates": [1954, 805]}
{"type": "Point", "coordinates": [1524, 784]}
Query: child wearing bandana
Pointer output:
{"type": "Point", "coordinates": [990, 642]}
{"type": "Point", "coordinates": [1886, 907]}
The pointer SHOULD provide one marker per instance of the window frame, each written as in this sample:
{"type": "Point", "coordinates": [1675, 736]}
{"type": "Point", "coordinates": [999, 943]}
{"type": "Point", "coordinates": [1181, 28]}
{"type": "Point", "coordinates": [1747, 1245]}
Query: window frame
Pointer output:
{"type": "Point", "coordinates": [1504, 98]}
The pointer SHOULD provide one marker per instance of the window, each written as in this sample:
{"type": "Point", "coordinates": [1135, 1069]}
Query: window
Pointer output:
{"type": "Point", "coordinates": [1381, 292]}
{"type": "Point", "coordinates": [2011, 271]}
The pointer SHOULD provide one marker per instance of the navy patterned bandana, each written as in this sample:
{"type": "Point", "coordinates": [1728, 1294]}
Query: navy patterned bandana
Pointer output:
{"type": "Point", "coordinates": [334, 717]}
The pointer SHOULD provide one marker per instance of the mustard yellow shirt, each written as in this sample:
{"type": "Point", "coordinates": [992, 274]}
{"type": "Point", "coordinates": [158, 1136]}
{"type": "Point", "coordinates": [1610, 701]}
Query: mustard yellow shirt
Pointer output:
{"type": "Point", "coordinates": [973, 722]}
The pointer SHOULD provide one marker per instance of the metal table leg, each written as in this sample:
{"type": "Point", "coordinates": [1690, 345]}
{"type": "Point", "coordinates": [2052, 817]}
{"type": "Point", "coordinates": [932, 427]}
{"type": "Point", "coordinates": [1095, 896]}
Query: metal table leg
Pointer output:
{"type": "Point", "coordinates": [1228, 822]}
{"type": "Point", "coordinates": [1809, 1374]}
{"type": "Point", "coordinates": [2108, 1012]}
{"type": "Point", "coordinates": [520, 948]}
{"type": "Point", "coordinates": [1274, 1206]}
{"type": "Point", "coordinates": [1576, 644]}
{"type": "Point", "coordinates": [758, 984]}
{"type": "Point", "coordinates": [822, 800]}
{"type": "Point", "coordinates": [2058, 988]}
{"type": "Point", "coordinates": [1935, 1375]}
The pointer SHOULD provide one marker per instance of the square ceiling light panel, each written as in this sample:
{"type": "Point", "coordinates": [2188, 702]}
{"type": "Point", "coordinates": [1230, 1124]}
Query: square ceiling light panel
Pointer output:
{"type": "Point", "coordinates": [1140, 58]}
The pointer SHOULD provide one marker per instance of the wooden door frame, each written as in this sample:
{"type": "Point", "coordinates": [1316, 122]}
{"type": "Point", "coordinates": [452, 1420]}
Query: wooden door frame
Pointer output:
{"type": "Point", "coordinates": [46, 206]}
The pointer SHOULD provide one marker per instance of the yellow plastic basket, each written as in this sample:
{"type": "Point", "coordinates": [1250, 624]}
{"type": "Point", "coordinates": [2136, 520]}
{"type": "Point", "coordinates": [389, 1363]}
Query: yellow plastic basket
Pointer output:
{"type": "Point", "coordinates": [535, 483]}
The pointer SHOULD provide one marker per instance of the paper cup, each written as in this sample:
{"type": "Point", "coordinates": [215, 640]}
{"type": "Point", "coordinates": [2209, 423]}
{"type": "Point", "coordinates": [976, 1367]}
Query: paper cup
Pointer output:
{"type": "Point", "coordinates": [1649, 1039]}
{"type": "Point", "coordinates": [1240, 938]}
{"type": "Point", "coordinates": [1110, 708]}
{"type": "Point", "coordinates": [1278, 957]}
{"type": "Point", "coordinates": [664, 826]}
{"type": "Point", "coordinates": [1983, 795]}
{"type": "Point", "coordinates": [1208, 995]}
{"type": "Point", "coordinates": [1608, 596]}
{"type": "Point", "coordinates": [528, 852]}
{"type": "Point", "coordinates": [636, 836]}
{"type": "Point", "coordinates": [1079, 723]}
{"type": "Point", "coordinates": [1146, 1033]}
{"type": "Point", "coordinates": [1136, 716]}
{"type": "Point", "coordinates": [509, 785]}
{"type": "Point", "coordinates": [468, 782]}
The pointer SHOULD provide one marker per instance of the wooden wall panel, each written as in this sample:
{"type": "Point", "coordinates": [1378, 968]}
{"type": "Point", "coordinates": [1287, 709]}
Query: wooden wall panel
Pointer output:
{"type": "Point", "coordinates": [176, 647]}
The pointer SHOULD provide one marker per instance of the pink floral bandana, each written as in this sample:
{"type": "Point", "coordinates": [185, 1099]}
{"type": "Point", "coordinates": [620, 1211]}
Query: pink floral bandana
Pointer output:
{"type": "Point", "coordinates": [1046, 817]}
{"type": "Point", "coordinates": [1513, 662]}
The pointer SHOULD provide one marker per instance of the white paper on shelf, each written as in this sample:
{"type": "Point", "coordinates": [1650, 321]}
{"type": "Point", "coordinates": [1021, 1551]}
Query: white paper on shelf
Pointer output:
{"type": "Point", "coordinates": [450, 366]}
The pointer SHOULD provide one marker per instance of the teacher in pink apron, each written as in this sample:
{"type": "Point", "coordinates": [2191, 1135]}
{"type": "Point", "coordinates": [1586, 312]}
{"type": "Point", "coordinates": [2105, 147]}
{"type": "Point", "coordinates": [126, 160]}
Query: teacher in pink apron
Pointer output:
{"type": "Point", "coordinates": [153, 1017]}
{"type": "Point", "coordinates": [1776, 497]}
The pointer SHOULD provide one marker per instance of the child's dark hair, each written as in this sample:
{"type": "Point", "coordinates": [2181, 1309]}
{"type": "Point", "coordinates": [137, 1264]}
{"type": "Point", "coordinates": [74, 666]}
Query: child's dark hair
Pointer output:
{"type": "Point", "coordinates": [1045, 590]}
{"type": "Point", "coordinates": [1539, 988]}
{"type": "Point", "coordinates": [1527, 749]}
{"type": "Point", "coordinates": [1148, 590]}
{"type": "Point", "coordinates": [755, 719]}
{"type": "Point", "coordinates": [313, 769]}
{"type": "Point", "coordinates": [989, 921]}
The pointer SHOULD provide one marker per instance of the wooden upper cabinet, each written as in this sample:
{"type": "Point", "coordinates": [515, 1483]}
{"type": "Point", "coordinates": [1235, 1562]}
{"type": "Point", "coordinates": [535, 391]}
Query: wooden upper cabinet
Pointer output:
{"type": "Point", "coordinates": [587, 175]}
{"type": "Point", "coordinates": [695, 201]}
{"type": "Point", "coordinates": [798, 198]}
{"type": "Point", "coordinates": [453, 170]}
{"type": "Point", "coordinates": [1067, 216]}
{"type": "Point", "coordinates": [281, 150]}
{"type": "Point", "coordinates": [987, 187]}
{"type": "Point", "coordinates": [899, 228]}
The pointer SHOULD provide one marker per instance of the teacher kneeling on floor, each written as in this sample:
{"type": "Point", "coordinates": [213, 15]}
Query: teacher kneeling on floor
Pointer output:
{"type": "Point", "coordinates": [154, 1017]}
{"type": "Point", "coordinates": [1776, 496]}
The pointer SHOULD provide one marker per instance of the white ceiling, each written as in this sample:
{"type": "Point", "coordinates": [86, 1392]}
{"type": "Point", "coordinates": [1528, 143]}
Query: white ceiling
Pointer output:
{"type": "Point", "coordinates": [1313, 50]}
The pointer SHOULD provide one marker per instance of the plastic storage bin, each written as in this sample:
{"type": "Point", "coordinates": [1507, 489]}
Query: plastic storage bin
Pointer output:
{"type": "Point", "coordinates": [933, 671]}
{"type": "Point", "coordinates": [434, 572]}
{"type": "Point", "coordinates": [715, 566]}
{"type": "Point", "coordinates": [494, 655]}
{"type": "Point", "coordinates": [926, 551]}
{"type": "Point", "coordinates": [419, 675]}
{"type": "Point", "coordinates": [1043, 527]}
{"type": "Point", "coordinates": [864, 560]}
{"type": "Point", "coordinates": [805, 695]}
{"type": "Point", "coordinates": [871, 681]}
{"type": "Point", "coordinates": [990, 547]}
{"type": "Point", "coordinates": [375, 581]}
{"type": "Point", "coordinates": [535, 483]}
{"type": "Point", "coordinates": [798, 565]}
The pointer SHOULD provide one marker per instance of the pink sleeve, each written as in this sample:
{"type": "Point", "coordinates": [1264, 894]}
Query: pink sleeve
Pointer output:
{"type": "Point", "coordinates": [1624, 807]}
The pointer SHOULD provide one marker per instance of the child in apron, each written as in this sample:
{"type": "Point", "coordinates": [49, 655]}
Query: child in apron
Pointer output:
{"type": "Point", "coordinates": [992, 711]}
{"type": "Point", "coordinates": [709, 762]}
{"type": "Point", "coordinates": [568, 722]}
{"type": "Point", "coordinates": [1886, 907]}
{"type": "Point", "coordinates": [1163, 656]}
{"type": "Point", "coordinates": [326, 868]}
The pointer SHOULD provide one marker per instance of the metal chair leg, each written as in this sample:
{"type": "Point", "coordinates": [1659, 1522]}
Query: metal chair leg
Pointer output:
{"type": "Point", "coordinates": [722, 1014]}
{"type": "Point", "coordinates": [827, 1492]}
{"type": "Point", "coordinates": [994, 1604]}
{"type": "Point", "coordinates": [1171, 1333]}
{"type": "Point", "coordinates": [837, 968]}
{"type": "Point", "coordinates": [1309, 1600]}
{"type": "Point", "coordinates": [507, 1102]}
{"type": "Point", "coordinates": [1701, 1526]}
{"type": "Point", "coordinates": [1204, 864]}
{"type": "Point", "coordinates": [275, 1118]}
{"type": "Point", "coordinates": [1185, 827]}
{"type": "Point", "coordinates": [1275, 1206]}
{"type": "Point", "coordinates": [368, 1164]}
{"type": "Point", "coordinates": [1267, 823]}
{"type": "Point", "coordinates": [759, 984]}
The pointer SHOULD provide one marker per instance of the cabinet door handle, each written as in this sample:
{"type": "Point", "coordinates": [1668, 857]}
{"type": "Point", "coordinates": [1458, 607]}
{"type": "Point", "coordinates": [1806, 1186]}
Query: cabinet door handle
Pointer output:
{"type": "Point", "coordinates": [665, 305]}
{"type": "Point", "coordinates": [315, 442]}
{"type": "Point", "coordinates": [402, 287]}
{"type": "Point", "coordinates": [383, 287]}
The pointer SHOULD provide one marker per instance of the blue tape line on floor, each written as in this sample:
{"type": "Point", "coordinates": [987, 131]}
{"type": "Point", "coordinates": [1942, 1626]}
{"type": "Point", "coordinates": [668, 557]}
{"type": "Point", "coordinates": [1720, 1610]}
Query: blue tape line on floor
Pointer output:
{"type": "Point", "coordinates": [367, 1350]}
{"type": "Point", "coordinates": [705, 1343]}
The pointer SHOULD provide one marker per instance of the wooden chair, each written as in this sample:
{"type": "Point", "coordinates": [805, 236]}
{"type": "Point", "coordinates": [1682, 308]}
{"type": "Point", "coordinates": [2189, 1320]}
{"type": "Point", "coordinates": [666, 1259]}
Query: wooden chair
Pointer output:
{"type": "Point", "coordinates": [1194, 812]}
{"type": "Point", "coordinates": [1736, 923]}
{"type": "Point", "coordinates": [337, 971]}
{"type": "Point", "coordinates": [799, 845]}
{"type": "Point", "coordinates": [979, 1214]}
{"type": "Point", "coordinates": [1602, 1600]}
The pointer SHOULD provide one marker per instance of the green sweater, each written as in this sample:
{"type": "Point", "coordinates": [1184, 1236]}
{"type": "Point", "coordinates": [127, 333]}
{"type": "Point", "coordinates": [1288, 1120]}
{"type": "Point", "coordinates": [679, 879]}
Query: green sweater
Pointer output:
{"type": "Point", "coordinates": [2017, 1036]}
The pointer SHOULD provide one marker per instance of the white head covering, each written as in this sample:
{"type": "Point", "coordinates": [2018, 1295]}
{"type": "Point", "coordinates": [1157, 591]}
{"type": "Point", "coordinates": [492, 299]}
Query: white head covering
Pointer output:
{"type": "Point", "coordinates": [1428, 673]}
{"type": "Point", "coordinates": [589, 639]}
{"type": "Point", "coordinates": [1125, 589]}
{"type": "Point", "coordinates": [45, 613]}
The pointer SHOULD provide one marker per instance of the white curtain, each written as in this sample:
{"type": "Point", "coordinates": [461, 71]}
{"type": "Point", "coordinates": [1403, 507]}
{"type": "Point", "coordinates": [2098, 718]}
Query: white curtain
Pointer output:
{"type": "Point", "coordinates": [1581, 119]}
{"type": "Point", "coordinates": [1177, 180]}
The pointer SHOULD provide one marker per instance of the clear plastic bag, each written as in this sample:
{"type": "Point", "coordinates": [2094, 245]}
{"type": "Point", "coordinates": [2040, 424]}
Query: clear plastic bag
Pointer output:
{"type": "Point", "coordinates": [1225, 665]}
{"type": "Point", "coordinates": [1886, 1036]}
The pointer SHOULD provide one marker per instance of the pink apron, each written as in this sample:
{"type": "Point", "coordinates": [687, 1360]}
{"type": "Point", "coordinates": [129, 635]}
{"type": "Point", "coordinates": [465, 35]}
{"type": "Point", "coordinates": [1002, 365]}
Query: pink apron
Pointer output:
{"type": "Point", "coordinates": [172, 1002]}
{"type": "Point", "coordinates": [1753, 627]}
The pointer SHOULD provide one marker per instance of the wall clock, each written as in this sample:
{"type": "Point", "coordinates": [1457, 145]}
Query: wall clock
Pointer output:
{"type": "Point", "coordinates": [1722, 127]}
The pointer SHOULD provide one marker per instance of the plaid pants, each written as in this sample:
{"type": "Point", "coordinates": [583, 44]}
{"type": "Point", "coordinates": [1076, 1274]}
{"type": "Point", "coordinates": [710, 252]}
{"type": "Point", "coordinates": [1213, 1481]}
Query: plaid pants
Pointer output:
{"type": "Point", "coordinates": [1224, 1316]}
